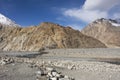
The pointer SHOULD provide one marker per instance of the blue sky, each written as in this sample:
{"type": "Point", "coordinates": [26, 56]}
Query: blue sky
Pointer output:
{"type": "Point", "coordinates": [75, 13]}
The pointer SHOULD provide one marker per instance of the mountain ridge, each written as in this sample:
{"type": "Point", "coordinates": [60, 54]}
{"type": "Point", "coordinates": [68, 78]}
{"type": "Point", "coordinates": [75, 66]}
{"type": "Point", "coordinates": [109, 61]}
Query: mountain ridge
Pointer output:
{"type": "Point", "coordinates": [105, 31]}
{"type": "Point", "coordinates": [45, 35]}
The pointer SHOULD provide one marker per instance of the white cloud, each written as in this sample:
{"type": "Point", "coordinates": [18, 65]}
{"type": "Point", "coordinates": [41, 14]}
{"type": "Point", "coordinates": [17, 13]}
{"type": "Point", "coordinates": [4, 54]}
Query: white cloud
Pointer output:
{"type": "Point", "coordinates": [85, 15]}
{"type": "Point", "coordinates": [102, 5]}
{"type": "Point", "coordinates": [92, 10]}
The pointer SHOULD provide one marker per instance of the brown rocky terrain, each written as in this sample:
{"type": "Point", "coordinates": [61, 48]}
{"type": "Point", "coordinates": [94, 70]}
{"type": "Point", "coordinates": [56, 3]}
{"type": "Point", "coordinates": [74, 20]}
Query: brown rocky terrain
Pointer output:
{"type": "Point", "coordinates": [107, 31]}
{"type": "Point", "coordinates": [45, 35]}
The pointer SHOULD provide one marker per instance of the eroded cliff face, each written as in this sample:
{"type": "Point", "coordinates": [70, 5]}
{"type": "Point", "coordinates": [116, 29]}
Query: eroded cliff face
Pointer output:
{"type": "Point", "coordinates": [45, 35]}
{"type": "Point", "coordinates": [104, 30]}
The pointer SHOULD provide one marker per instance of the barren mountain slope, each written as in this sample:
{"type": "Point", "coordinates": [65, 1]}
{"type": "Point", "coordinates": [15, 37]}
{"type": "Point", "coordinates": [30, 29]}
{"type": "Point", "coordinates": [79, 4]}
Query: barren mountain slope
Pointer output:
{"type": "Point", "coordinates": [45, 35]}
{"type": "Point", "coordinates": [105, 30]}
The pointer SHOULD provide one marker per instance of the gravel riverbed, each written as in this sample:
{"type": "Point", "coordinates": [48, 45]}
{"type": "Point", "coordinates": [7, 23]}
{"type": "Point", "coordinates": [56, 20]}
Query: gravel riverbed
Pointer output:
{"type": "Point", "coordinates": [81, 64]}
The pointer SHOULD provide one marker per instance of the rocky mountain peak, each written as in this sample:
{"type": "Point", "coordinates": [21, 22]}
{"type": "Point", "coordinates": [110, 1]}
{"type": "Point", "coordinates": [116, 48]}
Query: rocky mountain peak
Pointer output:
{"type": "Point", "coordinates": [113, 22]}
{"type": "Point", "coordinates": [105, 30]}
{"type": "Point", "coordinates": [50, 24]}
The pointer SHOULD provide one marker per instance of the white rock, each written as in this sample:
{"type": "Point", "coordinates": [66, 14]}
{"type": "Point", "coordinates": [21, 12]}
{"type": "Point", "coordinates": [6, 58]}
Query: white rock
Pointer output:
{"type": "Point", "coordinates": [58, 75]}
{"type": "Point", "coordinates": [49, 69]}
{"type": "Point", "coordinates": [70, 67]}
{"type": "Point", "coordinates": [3, 62]}
{"type": "Point", "coordinates": [66, 77]}
{"type": "Point", "coordinates": [54, 73]}
{"type": "Point", "coordinates": [40, 72]}
{"type": "Point", "coordinates": [49, 74]}
{"type": "Point", "coordinates": [54, 78]}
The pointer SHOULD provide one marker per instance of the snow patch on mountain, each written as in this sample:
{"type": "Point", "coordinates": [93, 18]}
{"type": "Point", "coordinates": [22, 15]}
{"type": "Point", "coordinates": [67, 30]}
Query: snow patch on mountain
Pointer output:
{"type": "Point", "coordinates": [115, 22]}
{"type": "Point", "coordinates": [6, 21]}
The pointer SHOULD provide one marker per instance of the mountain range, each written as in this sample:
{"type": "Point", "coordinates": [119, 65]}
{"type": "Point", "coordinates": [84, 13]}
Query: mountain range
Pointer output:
{"type": "Point", "coordinates": [45, 35]}
{"type": "Point", "coordinates": [101, 33]}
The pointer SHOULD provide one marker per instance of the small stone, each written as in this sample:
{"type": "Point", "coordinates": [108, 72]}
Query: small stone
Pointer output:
{"type": "Point", "coordinates": [41, 73]}
{"type": "Point", "coordinates": [70, 67]}
{"type": "Point", "coordinates": [54, 78]}
{"type": "Point", "coordinates": [66, 77]}
{"type": "Point", "coordinates": [3, 62]}
{"type": "Point", "coordinates": [49, 74]}
{"type": "Point", "coordinates": [54, 73]}
{"type": "Point", "coordinates": [58, 75]}
{"type": "Point", "coordinates": [49, 69]}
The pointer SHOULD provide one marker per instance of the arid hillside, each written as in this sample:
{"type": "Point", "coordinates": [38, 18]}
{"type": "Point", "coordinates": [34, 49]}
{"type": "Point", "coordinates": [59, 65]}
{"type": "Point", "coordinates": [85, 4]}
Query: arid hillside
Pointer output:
{"type": "Point", "coordinates": [45, 35]}
{"type": "Point", "coordinates": [105, 30]}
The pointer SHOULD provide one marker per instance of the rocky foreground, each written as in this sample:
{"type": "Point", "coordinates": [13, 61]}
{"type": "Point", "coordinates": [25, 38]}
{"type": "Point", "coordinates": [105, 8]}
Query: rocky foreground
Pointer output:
{"type": "Point", "coordinates": [42, 66]}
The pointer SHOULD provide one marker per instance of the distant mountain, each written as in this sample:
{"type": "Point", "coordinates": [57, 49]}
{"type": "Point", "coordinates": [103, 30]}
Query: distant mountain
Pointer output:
{"type": "Point", "coordinates": [46, 35]}
{"type": "Point", "coordinates": [105, 30]}
{"type": "Point", "coordinates": [6, 21]}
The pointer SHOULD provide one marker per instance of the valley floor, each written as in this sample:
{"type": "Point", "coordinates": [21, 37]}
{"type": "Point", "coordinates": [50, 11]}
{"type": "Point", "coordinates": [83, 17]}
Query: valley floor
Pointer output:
{"type": "Point", "coordinates": [81, 64]}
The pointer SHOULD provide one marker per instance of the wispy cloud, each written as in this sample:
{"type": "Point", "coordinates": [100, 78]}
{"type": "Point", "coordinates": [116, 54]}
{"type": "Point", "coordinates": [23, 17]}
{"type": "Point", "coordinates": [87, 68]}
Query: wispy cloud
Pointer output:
{"type": "Point", "coordinates": [101, 5]}
{"type": "Point", "coordinates": [85, 15]}
{"type": "Point", "coordinates": [93, 9]}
